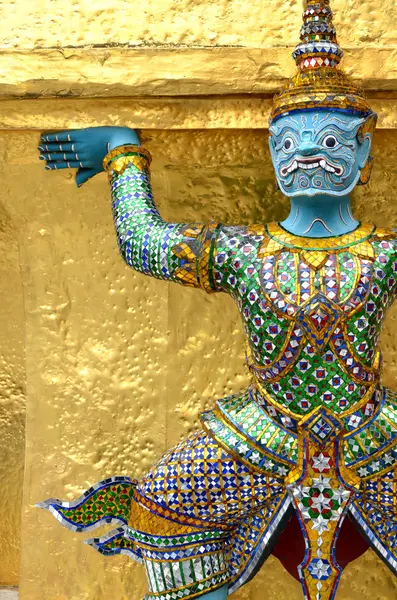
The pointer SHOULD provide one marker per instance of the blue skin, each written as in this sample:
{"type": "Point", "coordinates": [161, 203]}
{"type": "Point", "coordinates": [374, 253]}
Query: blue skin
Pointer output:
{"type": "Point", "coordinates": [83, 149]}
{"type": "Point", "coordinates": [327, 143]}
{"type": "Point", "coordinates": [315, 193]}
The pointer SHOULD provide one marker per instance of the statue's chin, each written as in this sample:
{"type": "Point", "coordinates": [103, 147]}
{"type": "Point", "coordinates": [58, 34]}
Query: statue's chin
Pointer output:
{"type": "Point", "coordinates": [310, 192]}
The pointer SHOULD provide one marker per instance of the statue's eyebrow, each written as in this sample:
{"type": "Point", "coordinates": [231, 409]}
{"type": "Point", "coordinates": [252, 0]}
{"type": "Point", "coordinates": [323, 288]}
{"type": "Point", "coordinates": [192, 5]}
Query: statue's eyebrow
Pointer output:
{"type": "Point", "coordinates": [282, 130]}
{"type": "Point", "coordinates": [340, 124]}
{"type": "Point", "coordinates": [324, 118]}
{"type": "Point", "coordinates": [292, 123]}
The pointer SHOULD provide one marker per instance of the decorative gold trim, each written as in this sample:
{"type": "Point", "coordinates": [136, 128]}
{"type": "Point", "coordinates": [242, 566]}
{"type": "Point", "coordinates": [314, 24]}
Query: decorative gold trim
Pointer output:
{"type": "Point", "coordinates": [269, 246]}
{"type": "Point", "coordinates": [298, 417]}
{"type": "Point", "coordinates": [363, 250]}
{"type": "Point", "coordinates": [187, 273]}
{"type": "Point", "coordinates": [236, 455]}
{"type": "Point", "coordinates": [382, 233]}
{"type": "Point", "coordinates": [324, 87]}
{"type": "Point", "coordinates": [316, 259]}
{"type": "Point", "coordinates": [284, 238]}
{"type": "Point", "coordinates": [118, 159]}
{"type": "Point", "coordinates": [204, 256]}
{"type": "Point", "coordinates": [366, 171]}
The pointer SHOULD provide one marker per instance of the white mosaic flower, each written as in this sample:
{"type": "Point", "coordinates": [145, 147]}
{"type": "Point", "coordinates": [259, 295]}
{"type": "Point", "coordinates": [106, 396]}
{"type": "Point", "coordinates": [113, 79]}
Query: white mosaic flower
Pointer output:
{"type": "Point", "coordinates": [233, 440]}
{"type": "Point", "coordinates": [341, 495]}
{"type": "Point", "coordinates": [321, 502]}
{"type": "Point", "coordinates": [321, 462]}
{"type": "Point", "coordinates": [282, 471]}
{"type": "Point", "coordinates": [319, 569]}
{"type": "Point", "coordinates": [322, 483]}
{"type": "Point", "coordinates": [363, 471]}
{"type": "Point", "coordinates": [320, 524]}
{"type": "Point", "coordinates": [255, 457]}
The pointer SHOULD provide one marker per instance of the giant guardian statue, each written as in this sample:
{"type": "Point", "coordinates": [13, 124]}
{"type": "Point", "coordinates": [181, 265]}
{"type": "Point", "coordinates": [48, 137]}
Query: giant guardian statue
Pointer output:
{"type": "Point", "coordinates": [315, 434]}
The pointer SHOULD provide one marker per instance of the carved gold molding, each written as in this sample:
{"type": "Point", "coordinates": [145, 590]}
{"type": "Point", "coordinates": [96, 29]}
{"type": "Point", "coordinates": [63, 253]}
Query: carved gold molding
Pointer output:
{"type": "Point", "coordinates": [155, 113]}
{"type": "Point", "coordinates": [173, 71]}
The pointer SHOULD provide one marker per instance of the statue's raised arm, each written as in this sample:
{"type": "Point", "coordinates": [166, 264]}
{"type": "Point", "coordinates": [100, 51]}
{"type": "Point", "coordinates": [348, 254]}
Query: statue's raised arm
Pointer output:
{"type": "Point", "coordinates": [171, 251]}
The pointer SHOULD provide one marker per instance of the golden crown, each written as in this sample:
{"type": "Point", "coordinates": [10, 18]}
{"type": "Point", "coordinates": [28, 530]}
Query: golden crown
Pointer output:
{"type": "Point", "coordinates": [319, 82]}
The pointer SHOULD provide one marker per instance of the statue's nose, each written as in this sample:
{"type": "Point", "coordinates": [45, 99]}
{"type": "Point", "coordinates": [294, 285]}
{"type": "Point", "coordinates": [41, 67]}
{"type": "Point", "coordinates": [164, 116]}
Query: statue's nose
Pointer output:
{"type": "Point", "coordinates": [308, 148]}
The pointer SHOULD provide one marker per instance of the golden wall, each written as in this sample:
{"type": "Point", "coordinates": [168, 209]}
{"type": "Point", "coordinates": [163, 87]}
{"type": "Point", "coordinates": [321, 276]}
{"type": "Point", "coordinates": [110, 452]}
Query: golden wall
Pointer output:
{"type": "Point", "coordinates": [118, 366]}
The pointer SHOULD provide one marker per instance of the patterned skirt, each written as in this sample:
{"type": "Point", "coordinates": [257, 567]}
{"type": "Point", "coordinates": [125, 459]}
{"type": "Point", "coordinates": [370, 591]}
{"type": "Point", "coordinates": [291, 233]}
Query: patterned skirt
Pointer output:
{"type": "Point", "coordinates": [209, 512]}
{"type": "Point", "coordinates": [199, 519]}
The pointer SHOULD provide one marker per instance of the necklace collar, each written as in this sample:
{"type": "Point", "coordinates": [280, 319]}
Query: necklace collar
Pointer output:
{"type": "Point", "coordinates": [288, 240]}
{"type": "Point", "coordinates": [315, 251]}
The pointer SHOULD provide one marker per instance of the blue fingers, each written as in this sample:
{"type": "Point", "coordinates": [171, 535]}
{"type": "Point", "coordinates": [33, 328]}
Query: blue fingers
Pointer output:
{"type": "Point", "coordinates": [61, 151]}
{"type": "Point", "coordinates": [62, 157]}
{"type": "Point", "coordinates": [65, 147]}
{"type": "Point", "coordinates": [73, 164]}
{"type": "Point", "coordinates": [62, 136]}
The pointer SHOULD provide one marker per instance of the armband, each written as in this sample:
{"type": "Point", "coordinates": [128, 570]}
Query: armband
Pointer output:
{"type": "Point", "coordinates": [118, 159]}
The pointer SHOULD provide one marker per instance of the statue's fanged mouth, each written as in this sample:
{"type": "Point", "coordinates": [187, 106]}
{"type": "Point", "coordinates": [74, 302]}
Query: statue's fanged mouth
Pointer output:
{"type": "Point", "coordinates": [308, 164]}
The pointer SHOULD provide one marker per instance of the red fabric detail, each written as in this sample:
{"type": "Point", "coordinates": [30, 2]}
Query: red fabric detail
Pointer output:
{"type": "Point", "coordinates": [290, 546]}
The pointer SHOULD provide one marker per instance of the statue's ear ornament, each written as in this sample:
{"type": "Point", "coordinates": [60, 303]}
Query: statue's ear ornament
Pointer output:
{"type": "Point", "coordinates": [366, 172]}
{"type": "Point", "coordinates": [367, 128]}
{"type": "Point", "coordinates": [320, 83]}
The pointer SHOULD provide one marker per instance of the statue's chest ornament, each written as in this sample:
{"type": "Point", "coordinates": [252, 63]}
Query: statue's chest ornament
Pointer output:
{"type": "Point", "coordinates": [317, 283]}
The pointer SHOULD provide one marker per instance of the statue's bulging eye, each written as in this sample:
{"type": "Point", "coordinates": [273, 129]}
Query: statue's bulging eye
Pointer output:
{"type": "Point", "coordinates": [330, 141]}
{"type": "Point", "coordinates": [288, 144]}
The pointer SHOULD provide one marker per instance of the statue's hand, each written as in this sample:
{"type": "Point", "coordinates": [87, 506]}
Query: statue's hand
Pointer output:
{"type": "Point", "coordinates": [83, 149]}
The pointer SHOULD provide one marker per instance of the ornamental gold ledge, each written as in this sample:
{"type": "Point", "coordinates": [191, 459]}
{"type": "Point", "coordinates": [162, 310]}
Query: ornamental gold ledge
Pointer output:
{"type": "Point", "coordinates": [155, 113]}
{"type": "Point", "coordinates": [173, 70]}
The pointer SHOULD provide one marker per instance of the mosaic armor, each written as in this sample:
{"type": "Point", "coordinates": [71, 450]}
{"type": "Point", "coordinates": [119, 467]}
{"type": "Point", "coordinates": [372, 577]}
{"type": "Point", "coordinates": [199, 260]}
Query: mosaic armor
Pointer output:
{"type": "Point", "coordinates": [315, 432]}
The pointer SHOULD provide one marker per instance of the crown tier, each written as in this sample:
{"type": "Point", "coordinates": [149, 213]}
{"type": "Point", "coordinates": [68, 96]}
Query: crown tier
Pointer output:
{"type": "Point", "coordinates": [319, 46]}
{"type": "Point", "coordinates": [319, 82]}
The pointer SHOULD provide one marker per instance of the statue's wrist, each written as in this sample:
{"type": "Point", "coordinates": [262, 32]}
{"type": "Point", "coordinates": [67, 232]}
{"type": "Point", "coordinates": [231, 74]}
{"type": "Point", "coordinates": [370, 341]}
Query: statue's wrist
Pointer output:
{"type": "Point", "coordinates": [124, 138]}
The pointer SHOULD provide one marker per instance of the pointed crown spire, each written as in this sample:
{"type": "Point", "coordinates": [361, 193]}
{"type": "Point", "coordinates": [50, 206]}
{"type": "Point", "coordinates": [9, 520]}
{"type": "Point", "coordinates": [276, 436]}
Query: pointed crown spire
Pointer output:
{"type": "Point", "coordinates": [319, 82]}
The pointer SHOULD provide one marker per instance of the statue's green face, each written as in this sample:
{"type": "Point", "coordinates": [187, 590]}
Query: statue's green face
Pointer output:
{"type": "Point", "coordinates": [318, 152]}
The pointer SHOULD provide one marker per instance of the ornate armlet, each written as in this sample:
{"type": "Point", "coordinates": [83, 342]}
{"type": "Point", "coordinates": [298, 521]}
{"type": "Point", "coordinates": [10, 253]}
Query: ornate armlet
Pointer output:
{"type": "Point", "coordinates": [195, 255]}
{"type": "Point", "coordinates": [204, 262]}
{"type": "Point", "coordinates": [117, 160]}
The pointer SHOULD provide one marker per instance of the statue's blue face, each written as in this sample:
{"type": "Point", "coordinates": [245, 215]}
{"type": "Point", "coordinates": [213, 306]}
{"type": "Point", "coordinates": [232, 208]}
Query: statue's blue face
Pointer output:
{"type": "Point", "coordinates": [318, 153]}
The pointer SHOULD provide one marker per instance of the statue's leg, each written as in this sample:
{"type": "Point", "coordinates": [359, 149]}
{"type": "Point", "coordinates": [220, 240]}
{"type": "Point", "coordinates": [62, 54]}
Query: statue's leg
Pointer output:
{"type": "Point", "coordinates": [200, 520]}
{"type": "Point", "coordinates": [207, 517]}
{"type": "Point", "coordinates": [219, 594]}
